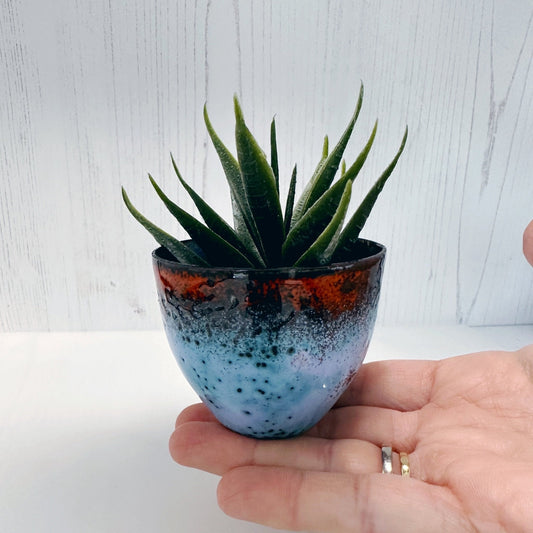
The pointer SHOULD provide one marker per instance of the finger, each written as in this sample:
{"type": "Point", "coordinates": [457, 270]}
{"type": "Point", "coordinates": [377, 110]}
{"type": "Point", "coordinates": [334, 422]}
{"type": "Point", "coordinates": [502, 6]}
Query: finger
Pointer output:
{"type": "Point", "coordinates": [528, 242]}
{"type": "Point", "coordinates": [287, 498]}
{"type": "Point", "coordinates": [213, 448]}
{"type": "Point", "coordinates": [401, 385]}
{"type": "Point", "coordinates": [197, 412]}
{"type": "Point", "coordinates": [382, 427]}
{"type": "Point", "coordinates": [209, 446]}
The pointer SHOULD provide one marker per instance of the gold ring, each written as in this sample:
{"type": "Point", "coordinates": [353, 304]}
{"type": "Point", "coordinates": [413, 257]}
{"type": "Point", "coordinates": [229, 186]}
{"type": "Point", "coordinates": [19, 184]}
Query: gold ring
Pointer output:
{"type": "Point", "coordinates": [404, 462]}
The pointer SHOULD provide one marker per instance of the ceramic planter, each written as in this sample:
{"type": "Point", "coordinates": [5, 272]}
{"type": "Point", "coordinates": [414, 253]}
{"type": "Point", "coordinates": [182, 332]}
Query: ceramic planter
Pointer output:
{"type": "Point", "coordinates": [270, 351]}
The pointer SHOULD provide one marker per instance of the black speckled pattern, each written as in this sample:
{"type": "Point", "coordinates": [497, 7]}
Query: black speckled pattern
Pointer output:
{"type": "Point", "coordinates": [269, 352]}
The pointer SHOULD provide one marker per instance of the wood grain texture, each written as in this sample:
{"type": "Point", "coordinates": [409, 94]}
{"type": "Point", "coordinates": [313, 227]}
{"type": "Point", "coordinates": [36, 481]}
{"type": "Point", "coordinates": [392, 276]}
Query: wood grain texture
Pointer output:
{"type": "Point", "coordinates": [97, 94]}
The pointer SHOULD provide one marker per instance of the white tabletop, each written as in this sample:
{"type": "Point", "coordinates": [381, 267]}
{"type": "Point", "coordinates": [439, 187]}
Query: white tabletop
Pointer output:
{"type": "Point", "coordinates": [85, 420]}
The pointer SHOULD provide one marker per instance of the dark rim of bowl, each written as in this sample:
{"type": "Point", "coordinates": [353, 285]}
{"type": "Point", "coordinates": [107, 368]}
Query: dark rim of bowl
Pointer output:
{"type": "Point", "coordinates": [377, 251]}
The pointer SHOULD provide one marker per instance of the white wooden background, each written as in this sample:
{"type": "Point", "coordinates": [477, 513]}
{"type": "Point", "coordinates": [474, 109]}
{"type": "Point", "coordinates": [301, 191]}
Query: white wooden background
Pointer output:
{"type": "Point", "coordinates": [95, 94]}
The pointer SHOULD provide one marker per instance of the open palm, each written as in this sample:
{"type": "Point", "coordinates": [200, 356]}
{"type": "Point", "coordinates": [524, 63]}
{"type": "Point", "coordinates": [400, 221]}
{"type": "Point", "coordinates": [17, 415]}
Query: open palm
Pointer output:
{"type": "Point", "coordinates": [466, 423]}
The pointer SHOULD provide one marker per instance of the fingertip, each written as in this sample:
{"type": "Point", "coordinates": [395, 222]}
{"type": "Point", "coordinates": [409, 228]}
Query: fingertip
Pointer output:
{"type": "Point", "coordinates": [209, 446]}
{"type": "Point", "coordinates": [183, 443]}
{"type": "Point", "coordinates": [187, 444]}
{"type": "Point", "coordinates": [197, 412]}
{"type": "Point", "coordinates": [528, 243]}
{"type": "Point", "coordinates": [191, 443]}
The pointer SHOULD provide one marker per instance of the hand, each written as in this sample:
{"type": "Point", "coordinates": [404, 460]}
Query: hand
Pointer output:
{"type": "Point", "coordinates": [466, 422]}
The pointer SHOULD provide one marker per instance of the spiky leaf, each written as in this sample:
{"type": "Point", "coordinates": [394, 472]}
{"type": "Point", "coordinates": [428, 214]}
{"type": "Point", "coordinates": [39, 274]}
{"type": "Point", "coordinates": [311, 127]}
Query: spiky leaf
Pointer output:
{"type": "Point", "coordinates": [290, 202]}
{"type": "Point", "coordinates": [350, 234]}
{"type": "Point", "coordinates": [354, 169]}
{"type": "Point", "coordinates": [313, 223]}
{"type": "Point", "coordinates": [325, 148]}
{"type": "Point", "coordinates": [260, 188]}
{"type": "Point", "coordinates": [320, 252]}
{"type": "Point", "coordinates": [179, 250]}
{"type": "Point", "coordinates": [244, 221]}
{"type": "Point", "coordinates": [326, 170]}
{"type": "Point", "coordinates": [216, 249]}
{"type": "Point", "coordinates": [216, 223]}
{"type": "Point", "coordinates": [274, 153]}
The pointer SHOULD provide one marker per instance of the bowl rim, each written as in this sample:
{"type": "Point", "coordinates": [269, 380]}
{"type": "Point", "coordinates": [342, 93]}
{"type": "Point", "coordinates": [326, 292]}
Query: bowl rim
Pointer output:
{"type": "Point", "coordinates": [377, 253]}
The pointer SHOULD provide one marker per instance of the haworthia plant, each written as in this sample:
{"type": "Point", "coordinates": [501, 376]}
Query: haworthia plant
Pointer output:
{"type": "Point", "coordinates": [307, 232]}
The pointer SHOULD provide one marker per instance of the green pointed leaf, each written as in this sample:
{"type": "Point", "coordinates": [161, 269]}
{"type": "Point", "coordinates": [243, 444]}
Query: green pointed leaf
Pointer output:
{"type": "Point", "coordinates": [179, 250]}
{"type": "Point", "coordinates": [244, 222]}
{"type": "Point", "coordinates": [350, 234]}
{"type": "Point", "coordinates": [325, 148]}
{"type": "Point", "coordinates": [312, 224]}
{"type": "Point", "coordinates": [217, 250]}
{"type": "Point", "coordinates": [274, 153]}
{"type": "Point", "coordinates": [260, 187]}
{"type": "Point", "coordinates": [332, 202]}
{"type": "Point", "coordinates": [322, 249]}
{"type": "Point", "coordinates": [290, 202]}
{"type": "Point", "coordinates": [326, 170]}
{"type": "Point", "coordinates": [216, 223]}
{"type": "Point", "coordinates": [343, 168]}
{"type": "Point", "coordinates": [353, 171]}
{"type": "Point", "coordinates": [318, 168]}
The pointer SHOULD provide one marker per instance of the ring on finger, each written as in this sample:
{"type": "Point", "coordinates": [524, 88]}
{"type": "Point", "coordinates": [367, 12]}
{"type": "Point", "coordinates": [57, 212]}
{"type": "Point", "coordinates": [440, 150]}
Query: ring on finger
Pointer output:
{"type": "Point", "coordinates": [386, 462]}
{"type": "Point", "coordinates": [404, 465]}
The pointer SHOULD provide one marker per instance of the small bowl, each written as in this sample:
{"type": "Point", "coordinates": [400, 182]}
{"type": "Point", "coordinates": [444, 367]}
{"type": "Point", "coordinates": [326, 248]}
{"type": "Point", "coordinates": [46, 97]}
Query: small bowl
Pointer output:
{"type": "Point", "coordinates": [270, 351]}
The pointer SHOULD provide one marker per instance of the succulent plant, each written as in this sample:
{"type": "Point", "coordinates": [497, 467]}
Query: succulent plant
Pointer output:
{"type": "Point", "coordinates": [308, 232]}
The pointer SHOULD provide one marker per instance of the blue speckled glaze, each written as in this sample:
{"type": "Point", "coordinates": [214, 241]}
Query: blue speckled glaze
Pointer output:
{"type": "Point", "coordinates": [270, 352]}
